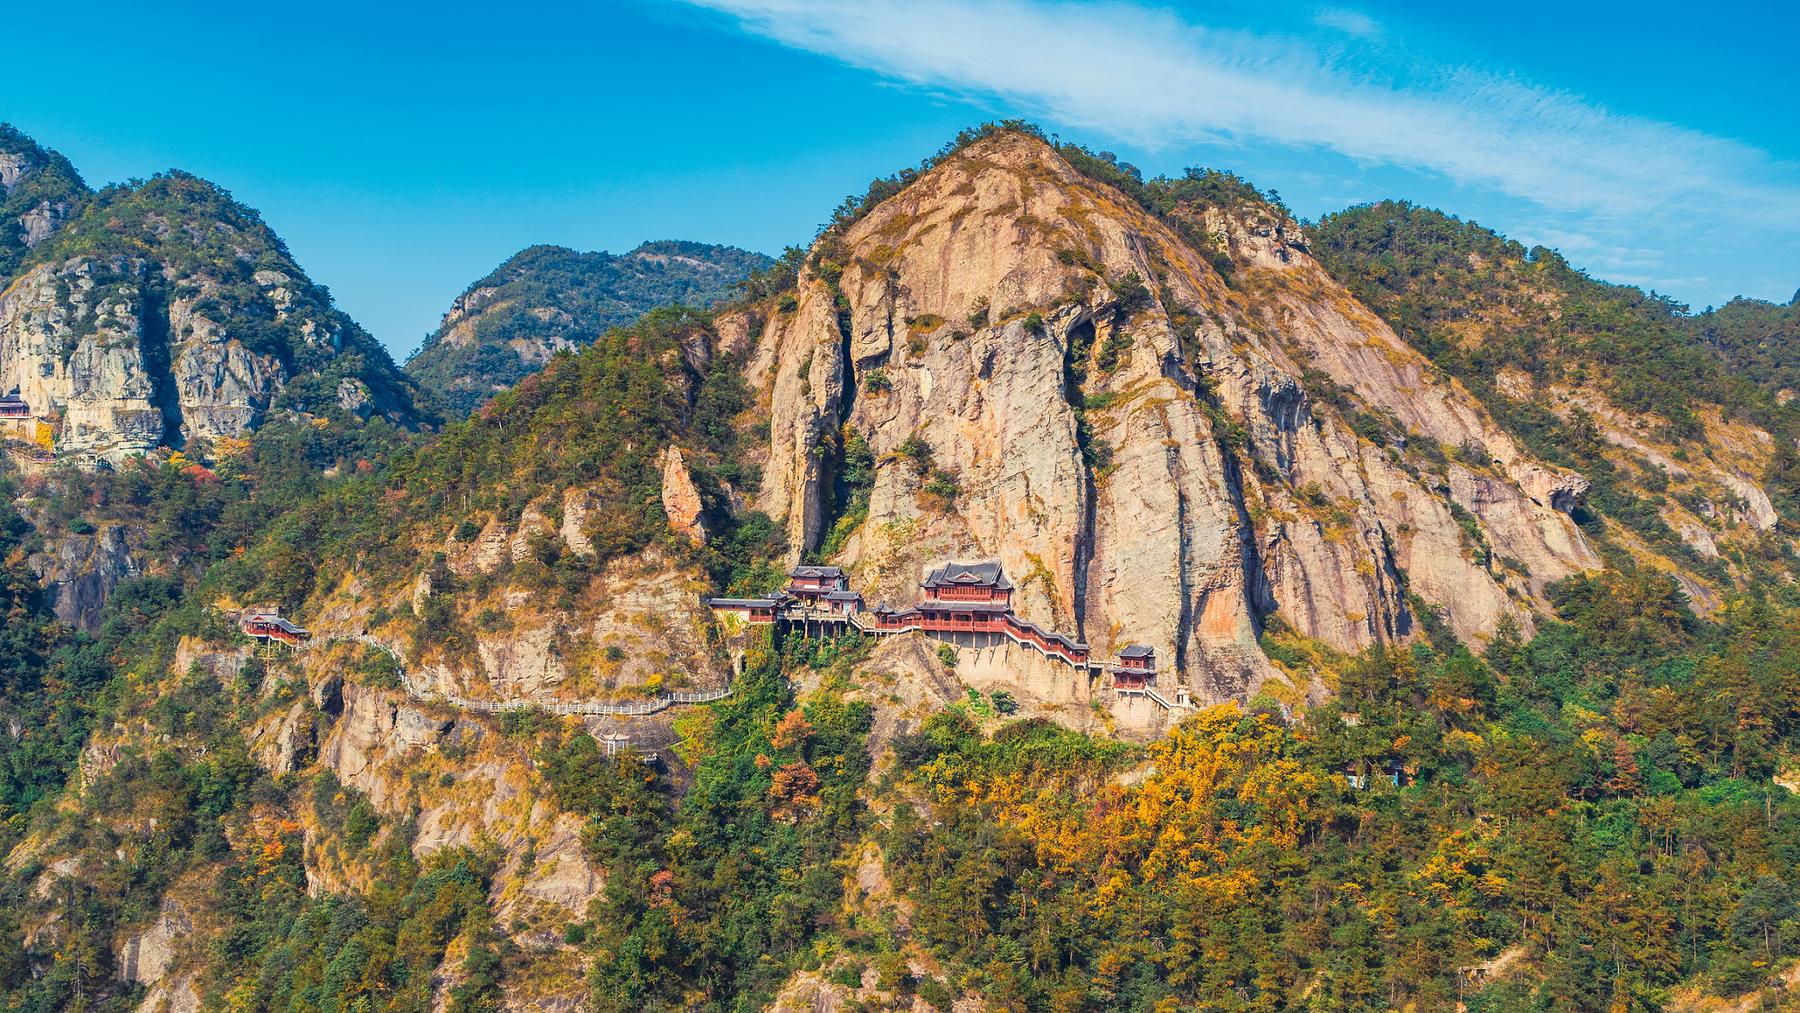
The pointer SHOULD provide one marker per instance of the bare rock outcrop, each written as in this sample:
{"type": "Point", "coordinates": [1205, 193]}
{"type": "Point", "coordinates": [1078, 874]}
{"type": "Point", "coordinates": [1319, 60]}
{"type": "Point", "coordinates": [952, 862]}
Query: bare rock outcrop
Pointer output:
{"type": "Point", "coordinates": [175, 319]}
{"type": "Point", "coordinates": [71, 342]}
{"type": "Point", "coordinates": [147, 956]}
{"type": "Point", "coordinates": [181, 995]}
{"type": "Point", "coordinates": [284, 741]}
{"type": "Point", "coordinates": [1556, 489]}
{"type": "Point", "coordinates": [94, 349]}
{"type": "Point", "coordinates": [579, 506]}
{"type": "Point", "coordinates": [680, 499]}
{"type": "Point", "coordinates": [1134, 439]}
{"type": "Point", "coordinates": [81, 570]}
{"type": "Point", "coordinates": [481, 791]}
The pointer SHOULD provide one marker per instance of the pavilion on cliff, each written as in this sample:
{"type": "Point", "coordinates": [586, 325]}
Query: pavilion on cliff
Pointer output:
{"type": "Point", "coordinates": [1136, 668]}
{"type": "Point", "coordinates": [269, 626]}
{"type": "Point", "coordinates": [968, 583]}
{"type": "Point", "coordinates": [813, 585]}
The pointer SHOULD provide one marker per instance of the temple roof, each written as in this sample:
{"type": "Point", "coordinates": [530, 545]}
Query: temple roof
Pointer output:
{"type": "Point", "coordinates": [277, 621]}
{"type": "Point", "coordinates": [842, 596]}
{"type": "Point", "coordinates": [805, 570]}
{"type": "Point", "coordinates": [982, 574]}
{"type": "Point", "coordinates": [1137, 651]}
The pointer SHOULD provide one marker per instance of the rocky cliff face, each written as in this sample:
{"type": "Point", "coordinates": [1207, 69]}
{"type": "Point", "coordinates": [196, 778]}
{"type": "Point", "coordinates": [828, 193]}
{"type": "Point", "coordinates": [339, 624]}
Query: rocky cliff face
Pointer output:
{"type": "Point", "coordinates": [1149, 450]}
{"type": "Point", "coordinates": [1169, 423]}
{"type": "Point", "coordinates": [87, 344]}
{"type": "Point", "coordinates": [168, 315]}
{"type": "Point", "coordinates": [436, 779]}
{"type": "Point", "coordinates": [80, 571]}
{"type": "Point", "coordinates": [546, 299]}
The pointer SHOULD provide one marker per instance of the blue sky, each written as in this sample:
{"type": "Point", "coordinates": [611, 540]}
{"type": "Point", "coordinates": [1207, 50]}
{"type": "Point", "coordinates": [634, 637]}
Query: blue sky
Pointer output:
{"type": "Point", "coordinates": [403, 150]}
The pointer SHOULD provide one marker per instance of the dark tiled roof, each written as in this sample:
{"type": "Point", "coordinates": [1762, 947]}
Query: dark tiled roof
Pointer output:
{"type": "Point", "coordinates": [983, 574]}
{"type": "Point", "coordinates": [815, 571]}
{"type": "Point", "coordinates": [1137, 651]}
{"type": "Point", "coordinates": [842, 596]}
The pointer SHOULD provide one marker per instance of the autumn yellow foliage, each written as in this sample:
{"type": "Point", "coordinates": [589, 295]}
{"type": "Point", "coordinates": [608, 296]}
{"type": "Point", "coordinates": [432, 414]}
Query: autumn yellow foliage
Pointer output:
{"type": "Point", "coordinates": [1169, 827]}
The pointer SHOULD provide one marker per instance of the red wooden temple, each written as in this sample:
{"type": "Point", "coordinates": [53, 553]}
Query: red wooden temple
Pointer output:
{"type": "Point", "coordinates": [271, 627]}
{"type": "Point", "coordinates": [751, 610]}
{"type": "Point", "coordinates": [12, 406]}
{"type": "Point", "coordinates": [812, 592]}
{"type": "Point", "coordinates": [1136, 668]}
{"type": "Point", "coordinates": [954, 598]}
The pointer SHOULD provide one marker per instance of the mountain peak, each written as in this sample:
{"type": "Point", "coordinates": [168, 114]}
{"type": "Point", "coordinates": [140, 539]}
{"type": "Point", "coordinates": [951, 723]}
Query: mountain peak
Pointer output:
{"type": "Point", "coordinates": [1108, 384]}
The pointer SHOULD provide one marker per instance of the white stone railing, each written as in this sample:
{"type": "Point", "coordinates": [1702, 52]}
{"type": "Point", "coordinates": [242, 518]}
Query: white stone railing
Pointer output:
{"type": "Point", "coordinates": [1165, 703]}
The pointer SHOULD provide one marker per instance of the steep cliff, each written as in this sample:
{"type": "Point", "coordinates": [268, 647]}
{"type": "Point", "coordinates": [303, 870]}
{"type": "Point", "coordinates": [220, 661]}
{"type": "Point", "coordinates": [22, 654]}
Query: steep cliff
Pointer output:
{"type": "Point", "coordinates": [545, 299]}
{"type": "Point", "coordinates": [166, 314]}
{"type": "Point", "coordinates": [1046, 371]}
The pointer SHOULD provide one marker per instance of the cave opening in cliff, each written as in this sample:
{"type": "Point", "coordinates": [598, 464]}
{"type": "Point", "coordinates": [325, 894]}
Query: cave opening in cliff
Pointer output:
{"type": "Point", "coordinates": [158, 352]}
{"type": "Point", "coordinates": [1080, 343]}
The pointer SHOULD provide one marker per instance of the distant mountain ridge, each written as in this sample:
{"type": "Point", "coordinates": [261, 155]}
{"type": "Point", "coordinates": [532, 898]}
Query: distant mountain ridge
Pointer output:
{"type": "Point", "coordinates": [547, 298]}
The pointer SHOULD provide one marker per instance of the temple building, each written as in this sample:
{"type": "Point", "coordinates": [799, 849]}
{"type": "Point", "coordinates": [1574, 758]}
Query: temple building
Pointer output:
{"type": "Point", "coordinates": [812, 584]}
{"type": "Point", "coordinates": [271, 627]}
{"type": "Point", "coordinates": [959, 599]}
{"type": "Point", "coordinates": [982, 583]}
{"type": "Point", "coordinates": [844, 602]}
{"type": "Point", "coordinates": [1136, 668]}
{"type": "Point", "coordinates": [751, 610]}
{"type": "Point", "coordinates": [965, 596]}
{"type": "Point", "coordinates": [12, 406]}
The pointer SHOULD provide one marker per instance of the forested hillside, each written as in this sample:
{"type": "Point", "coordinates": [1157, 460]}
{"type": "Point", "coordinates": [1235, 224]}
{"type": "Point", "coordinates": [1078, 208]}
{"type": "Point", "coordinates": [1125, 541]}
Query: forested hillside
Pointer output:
{"type": "Point", "coordinates": [546, 299]}
{"type": "Point", "coordinates": [39, 190]}
{"type": "Point", "coordinates": [1676, 419]}
{"type": "Point", "coordinates": [1758, 341]}
{"type": "Point", "coordinates": [1476, 571]}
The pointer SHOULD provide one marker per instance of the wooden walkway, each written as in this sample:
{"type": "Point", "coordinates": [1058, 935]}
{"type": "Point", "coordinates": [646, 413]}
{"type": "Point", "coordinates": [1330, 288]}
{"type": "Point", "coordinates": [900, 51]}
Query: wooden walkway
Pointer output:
{"type": "Point", "coordinates": [1019, 631]}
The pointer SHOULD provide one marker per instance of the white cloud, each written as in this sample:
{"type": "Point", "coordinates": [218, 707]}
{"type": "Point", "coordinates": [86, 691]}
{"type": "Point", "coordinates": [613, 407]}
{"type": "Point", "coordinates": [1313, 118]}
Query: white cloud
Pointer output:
{"type": "Point", "coordinates": [1349, 22]}
{"type": "Point", "coordinates": [1148, 76]}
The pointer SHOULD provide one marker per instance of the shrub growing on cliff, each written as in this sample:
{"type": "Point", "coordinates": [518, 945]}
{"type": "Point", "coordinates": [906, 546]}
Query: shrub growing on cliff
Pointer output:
{"type": "Point", "coordinates": [940, 491]}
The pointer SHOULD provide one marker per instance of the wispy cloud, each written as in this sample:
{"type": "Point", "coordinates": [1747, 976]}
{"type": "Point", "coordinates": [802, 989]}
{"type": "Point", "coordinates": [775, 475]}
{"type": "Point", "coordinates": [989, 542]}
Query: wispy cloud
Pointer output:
{"type": "Point", "coordinates": [1152, 77]}
{"type": "Point", "coordinates": [1342, 19]}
